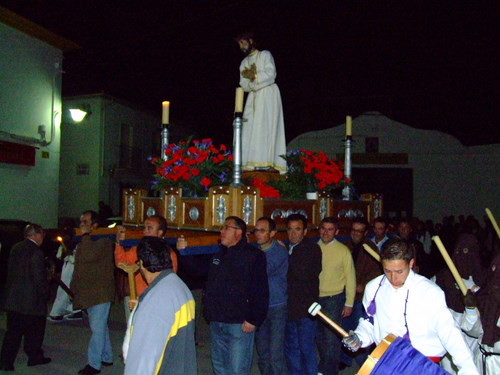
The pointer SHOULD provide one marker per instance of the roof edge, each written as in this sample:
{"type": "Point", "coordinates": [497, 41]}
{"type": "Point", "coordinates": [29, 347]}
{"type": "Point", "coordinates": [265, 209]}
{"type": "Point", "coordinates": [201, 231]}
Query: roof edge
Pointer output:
{"type": "Point", "coordinates": [28, 27]}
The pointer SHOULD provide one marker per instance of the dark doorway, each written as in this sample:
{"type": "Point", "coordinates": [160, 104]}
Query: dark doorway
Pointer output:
{"type": "Point", "coordinates": [396, 185]}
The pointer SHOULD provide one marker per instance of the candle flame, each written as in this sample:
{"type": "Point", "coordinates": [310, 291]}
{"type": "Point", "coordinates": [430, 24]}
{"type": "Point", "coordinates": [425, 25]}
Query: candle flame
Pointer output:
{"type": "Point", "coordinates": [59, 238]}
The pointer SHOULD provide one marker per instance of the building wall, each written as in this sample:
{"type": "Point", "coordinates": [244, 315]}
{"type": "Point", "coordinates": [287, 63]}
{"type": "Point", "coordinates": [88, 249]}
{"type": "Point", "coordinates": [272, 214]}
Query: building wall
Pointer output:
{"type": "Point", "coordinates": [97, 142]}
{"type": "Point", "coordinates": [80, 146]}
{"type": "Point", "coordinates": [30, 71]}
{"type": "Point", "coordinates": [449, 178]}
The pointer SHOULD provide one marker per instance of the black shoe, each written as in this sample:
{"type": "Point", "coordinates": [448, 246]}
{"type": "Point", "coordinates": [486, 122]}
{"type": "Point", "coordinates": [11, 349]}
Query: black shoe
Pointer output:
{"type": "Point", "coordinates": [55, 319]}
{"type": "Point", "coordinates": [342, 366]}
{"type": "Point", "coordinates": [7, 368]}
{"type": "Point", "coordinates": [75, 316]}
{"type": "Point", "coordinates": [38, 361]}
{"type": "Point", "coordinates": [89, 370]}
{"type": "Point", "coordinates": [107, 363]}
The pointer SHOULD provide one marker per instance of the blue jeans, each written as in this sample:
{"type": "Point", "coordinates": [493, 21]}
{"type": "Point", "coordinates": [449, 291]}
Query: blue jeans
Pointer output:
{"type": "Point", "coordinates": [350, 323]}
{"type": "Point", "coordinates": [99, 345]}
{"type": "Point", "coordinates": [270, 341]}
{"type": "Point", "coordinates": [300, 350]}
{"type": "Point", "coordinates": [231, 349]}
{"type": "Point", "coordinates": [328, 342]}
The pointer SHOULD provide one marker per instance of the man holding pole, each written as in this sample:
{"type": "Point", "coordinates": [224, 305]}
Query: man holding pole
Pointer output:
{"type": "Point", "coordinates": [406, 304]}
{"type": "Point", "coordinates": [154, 226]}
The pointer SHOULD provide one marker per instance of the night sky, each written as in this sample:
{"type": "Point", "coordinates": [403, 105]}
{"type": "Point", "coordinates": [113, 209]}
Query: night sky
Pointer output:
{"type": "Point", "coordinates": [429, 64]}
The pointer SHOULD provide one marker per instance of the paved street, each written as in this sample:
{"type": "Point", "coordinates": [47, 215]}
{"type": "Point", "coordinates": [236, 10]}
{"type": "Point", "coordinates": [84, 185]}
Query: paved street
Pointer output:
{"type": "Point", "coordinates": [66, 343]}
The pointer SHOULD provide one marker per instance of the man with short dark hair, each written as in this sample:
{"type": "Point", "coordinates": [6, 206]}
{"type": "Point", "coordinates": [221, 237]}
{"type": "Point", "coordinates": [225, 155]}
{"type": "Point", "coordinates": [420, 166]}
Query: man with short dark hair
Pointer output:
{"type": "Point", "coordinates": [236, 299]}
{"type": "Point", "coordinates": [162, 323]}
{"type": "Point", "coordinates": [367, 268]}
{"type": "Point", "coordinates": [26, 295]}
{"type": "Point", "coordinates": [380, 232]}
{"type": "Point", "coordinates": [94, 287]}
{"type": "Point", "coordinates": [337, 287]}
{"type": "Point", "coordinates": [405, 232]}
{"type": "Point", "coordinates": [270, 336]}
{"type": "Point", "coordinates": [304, 267]}
{"type": "Point", "coordinates": [154, 226]}
{"type": "Point", "coordinates": [408, 305]}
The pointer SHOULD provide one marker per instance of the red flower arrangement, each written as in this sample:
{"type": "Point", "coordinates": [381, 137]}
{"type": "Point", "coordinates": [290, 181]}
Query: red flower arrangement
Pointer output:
{"type": "Point", "coordinates": [310, 171]}
{"type": "Point", "coordinates": [266, 191]}
{"type": "Point", "coordinates": [194, 168]}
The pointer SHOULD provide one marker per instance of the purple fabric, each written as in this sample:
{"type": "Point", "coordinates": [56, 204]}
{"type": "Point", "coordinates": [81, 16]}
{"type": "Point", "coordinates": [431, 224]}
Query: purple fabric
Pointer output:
{"type": "Point", "coordinates": [402, 359]}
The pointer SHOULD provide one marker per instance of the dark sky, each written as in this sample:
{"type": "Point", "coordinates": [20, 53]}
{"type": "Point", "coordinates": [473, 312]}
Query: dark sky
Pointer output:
{"type": "Point", "coordinates": [429, 64]}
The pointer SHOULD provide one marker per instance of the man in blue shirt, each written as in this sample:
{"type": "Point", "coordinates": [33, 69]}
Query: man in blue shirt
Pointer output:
{"type": "Point", "coordinates": [270, 337]}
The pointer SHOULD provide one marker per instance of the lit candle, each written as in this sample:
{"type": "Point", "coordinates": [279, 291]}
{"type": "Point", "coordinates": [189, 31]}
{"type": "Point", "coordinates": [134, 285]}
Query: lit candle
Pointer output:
{"type": "Point", "coordinates": [238, 102]}
{"type": "Point", "coordinates": [165, 112]}
{"type": "Point", "coordinates": [59, 238]}
{"type": "Point", "coordinates": [348, 126]}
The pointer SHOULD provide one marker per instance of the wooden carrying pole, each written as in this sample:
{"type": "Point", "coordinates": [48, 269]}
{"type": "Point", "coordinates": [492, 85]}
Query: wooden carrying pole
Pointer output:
{"type": "Point", "coordinates": [315, 309]}
{"type": "Point", "coordinates": [371, 252]}
{"type": "Point", "coordinates": [493, 221]}
{"type": "Point", "coordinates": [450, 264]}
{"type": "Point", "coordinates": [130, 269]}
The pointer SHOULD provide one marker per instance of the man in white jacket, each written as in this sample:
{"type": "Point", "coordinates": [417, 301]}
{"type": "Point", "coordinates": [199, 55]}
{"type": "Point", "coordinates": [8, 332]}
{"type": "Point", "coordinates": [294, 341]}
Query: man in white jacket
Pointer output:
{"type": "Point", "coordinates": [408, 305]}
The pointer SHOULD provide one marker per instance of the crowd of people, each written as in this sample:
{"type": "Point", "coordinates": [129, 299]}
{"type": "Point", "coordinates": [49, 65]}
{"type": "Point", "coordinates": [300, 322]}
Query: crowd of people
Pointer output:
{"type": "Point", "coordinates": [258, 291]}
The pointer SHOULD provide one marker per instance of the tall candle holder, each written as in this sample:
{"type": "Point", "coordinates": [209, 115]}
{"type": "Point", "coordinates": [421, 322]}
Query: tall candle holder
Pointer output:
{"type": "Point", "coordinates": [347, 191]}
{"type": "Point", "coordinates": [237, 125]}
{"type": "Point", "coordinates": [164, 141]}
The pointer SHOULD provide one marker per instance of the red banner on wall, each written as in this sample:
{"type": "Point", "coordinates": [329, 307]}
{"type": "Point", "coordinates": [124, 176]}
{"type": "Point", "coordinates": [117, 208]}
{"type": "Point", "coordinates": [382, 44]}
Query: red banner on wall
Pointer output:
{"type": "Point", "coordinates": [15, 153]}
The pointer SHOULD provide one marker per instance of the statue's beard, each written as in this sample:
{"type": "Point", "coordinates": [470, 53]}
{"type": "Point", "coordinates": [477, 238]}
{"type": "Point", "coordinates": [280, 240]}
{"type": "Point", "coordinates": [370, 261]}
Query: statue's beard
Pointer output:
{"type": "Point", "coordinates": [247, 49]}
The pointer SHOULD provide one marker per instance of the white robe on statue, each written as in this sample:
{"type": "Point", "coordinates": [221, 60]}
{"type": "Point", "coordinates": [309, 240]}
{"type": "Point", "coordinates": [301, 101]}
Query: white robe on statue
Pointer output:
{"type": "Point", "coordinates": [263, 134]}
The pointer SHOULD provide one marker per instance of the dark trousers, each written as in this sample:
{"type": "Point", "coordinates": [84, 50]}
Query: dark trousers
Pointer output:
{"type": "Point", "coordinates": [327, 340]}
{"type": "Point", "coordinates": [32, 328]}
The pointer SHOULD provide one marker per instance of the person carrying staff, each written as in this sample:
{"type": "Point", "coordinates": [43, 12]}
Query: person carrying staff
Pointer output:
{"type": "Point", "coordinates": [406, 304]}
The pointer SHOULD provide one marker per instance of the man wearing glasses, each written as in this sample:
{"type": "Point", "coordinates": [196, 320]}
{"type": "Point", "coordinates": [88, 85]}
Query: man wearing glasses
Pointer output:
{"type": "Point", "coordinates": [367, 268]}
{"type": "Point", "coordinates": [236, 299]}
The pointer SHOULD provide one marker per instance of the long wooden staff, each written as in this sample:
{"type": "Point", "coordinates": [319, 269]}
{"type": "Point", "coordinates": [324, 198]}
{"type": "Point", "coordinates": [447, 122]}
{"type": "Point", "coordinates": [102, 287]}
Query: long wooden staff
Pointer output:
{"type": "Point", "coordinates": [371, 252]}
{"type": "Point", "coordinates": [64, 287]}
{"type": "Point", "coordinates": [450, 264]}
{"type": "Point", "coordinates": [493, 221]}
{"type": "Point", "coordinates": [130, 269]}
{"type": "Point", "coordinates": [315, 309]}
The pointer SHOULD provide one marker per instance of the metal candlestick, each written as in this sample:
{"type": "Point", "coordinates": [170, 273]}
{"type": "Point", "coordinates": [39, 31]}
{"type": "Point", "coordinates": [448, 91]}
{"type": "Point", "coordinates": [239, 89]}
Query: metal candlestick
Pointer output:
{"type": "Point", "coordinates": [164, 140]}
{"type": "Point", "coordinates": [237, 124]}
{"type": "Point", "coordinates": [347, 192]}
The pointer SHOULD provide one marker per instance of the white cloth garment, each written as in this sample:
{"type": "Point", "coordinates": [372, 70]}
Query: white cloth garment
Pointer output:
{"type": "Point", "coordinates": [472, 326]}
{"type": "Point", "coordinates": [62, 304]}
{"type": "Point", "coordinates": [263, 134]}
{"type": "Point", "coordinates": [431, 327]}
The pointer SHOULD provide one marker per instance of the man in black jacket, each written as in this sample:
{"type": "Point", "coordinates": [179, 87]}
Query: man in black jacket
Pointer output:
{"type": "Point", "coordinates": [236, 299]}
{"type": "Point", "coordinates": [26, 298]}
{"type": "Point", "coordinates": [304, 267]}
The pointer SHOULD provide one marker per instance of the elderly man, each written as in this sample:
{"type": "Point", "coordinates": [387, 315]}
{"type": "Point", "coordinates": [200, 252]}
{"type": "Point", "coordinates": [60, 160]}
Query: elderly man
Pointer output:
{"type": "Point", "coordinates": [236, 299]}
{"type": "Point", "coordinates": [304, 267]}
{"type": "Point", "coordinates": [408, 305]}
{"type": "Point", "coordinates": [270, 337]}
{"type": "Point", "coordinates": [264, 130]}
{"type": "Point", "coordinates": [94, 288]}
{"type": "Point", "coordinates": [337, 288]}
{"type": "Point", "coordinates": [154, 226]}
{"type": "Point", "coordinates": [26, 295]}
{"type": "Point", "coordinates": [162, 324]}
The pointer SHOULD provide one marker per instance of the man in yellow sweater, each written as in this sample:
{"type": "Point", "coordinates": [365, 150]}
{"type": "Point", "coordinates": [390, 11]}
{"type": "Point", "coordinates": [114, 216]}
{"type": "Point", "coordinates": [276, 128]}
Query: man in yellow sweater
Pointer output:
{"type": "Point", "coordinates": [337, 289]}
